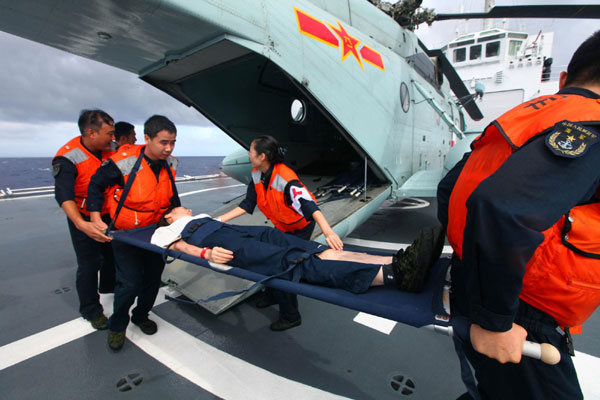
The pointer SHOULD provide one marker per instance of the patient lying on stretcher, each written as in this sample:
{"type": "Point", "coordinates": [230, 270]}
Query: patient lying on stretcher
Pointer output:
{"type": "Point", "coordinates": [268, 251]}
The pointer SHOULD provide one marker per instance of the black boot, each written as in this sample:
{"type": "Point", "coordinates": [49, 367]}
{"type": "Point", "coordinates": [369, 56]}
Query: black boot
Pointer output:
{"type": "Point", "coordinates": [411, 266]}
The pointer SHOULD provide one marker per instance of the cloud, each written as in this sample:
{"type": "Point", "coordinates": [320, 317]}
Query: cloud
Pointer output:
{"type": "Point", "coordinates": [44, 89]}
{"type": "Point", "coordinates": [43, 140]}
{"type": "Point", "coordinates": [42, 84]}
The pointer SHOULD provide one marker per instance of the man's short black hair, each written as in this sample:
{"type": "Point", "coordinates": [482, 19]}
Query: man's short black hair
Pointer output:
{"type": "Point", "coordinates": [584, 66]}
{"type": "Point", "coordinates": [122, 128]}
{"type": "Point", "coordinates": [157, 123]}
{"type": "Point", "coordinates": [93, 119]}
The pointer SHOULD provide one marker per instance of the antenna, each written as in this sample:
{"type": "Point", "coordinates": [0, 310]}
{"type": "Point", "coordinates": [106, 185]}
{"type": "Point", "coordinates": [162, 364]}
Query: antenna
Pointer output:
{"type": "Point", "coordinates": [488, 23]}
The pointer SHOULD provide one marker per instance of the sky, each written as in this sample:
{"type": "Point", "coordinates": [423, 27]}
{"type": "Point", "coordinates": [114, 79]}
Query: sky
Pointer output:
{"type": "Point", "coordinates": [42, 89]}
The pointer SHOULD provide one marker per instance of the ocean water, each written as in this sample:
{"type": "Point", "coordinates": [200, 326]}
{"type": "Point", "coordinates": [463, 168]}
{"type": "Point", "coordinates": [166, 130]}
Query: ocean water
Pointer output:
{"type": "Point", "coordinates": [17, 173]}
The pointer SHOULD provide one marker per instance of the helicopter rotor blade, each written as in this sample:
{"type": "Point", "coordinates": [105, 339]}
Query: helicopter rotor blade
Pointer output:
{"type": "Point", "coordinates": [456, 83]}
{"type": "Point", "coordinates": [533, 11]}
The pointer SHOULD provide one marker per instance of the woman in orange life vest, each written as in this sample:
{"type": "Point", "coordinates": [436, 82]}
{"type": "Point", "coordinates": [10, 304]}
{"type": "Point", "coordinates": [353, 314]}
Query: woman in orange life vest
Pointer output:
{"type": "Point", "coordinates": [284, 200]}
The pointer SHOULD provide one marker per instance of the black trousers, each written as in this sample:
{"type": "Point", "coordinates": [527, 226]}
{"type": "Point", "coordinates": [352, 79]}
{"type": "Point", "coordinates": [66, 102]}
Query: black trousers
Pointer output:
{"type": "Point", "coordinates": [92, 256]}
{"type": "Point", "coordinates": [138, 275]}
{"type": "Point", "coordinates": [530, 379]}
{"type": "Point", "coordinates": [288, 302]}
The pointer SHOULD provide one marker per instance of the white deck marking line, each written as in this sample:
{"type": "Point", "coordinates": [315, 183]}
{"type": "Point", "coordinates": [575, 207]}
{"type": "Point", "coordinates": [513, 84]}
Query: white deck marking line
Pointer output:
{"type": "Point", "coordinates": [218, 372]}
{"type": "Point", "coordinates": [384, 245]}
{"type": "Point", "coordinates": [214, 370]}
{"type": "Point", "coordinates": [587, 372]}
{"type": "Point", "coordinates": [380, 324]}
{"type": "Point", "coordinates": [31, 346]}
{"type": "Point", "coordinates": [208, 190]}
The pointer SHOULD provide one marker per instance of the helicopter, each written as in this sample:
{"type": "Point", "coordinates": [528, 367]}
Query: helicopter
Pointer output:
{"type": "Point", "coordinates": [354, 95]}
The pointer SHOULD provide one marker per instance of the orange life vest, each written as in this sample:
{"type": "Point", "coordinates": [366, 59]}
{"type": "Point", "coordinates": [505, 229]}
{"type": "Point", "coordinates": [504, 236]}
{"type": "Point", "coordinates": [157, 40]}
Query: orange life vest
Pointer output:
{"type": "Point", "coordinates": [86, 164]}
{"type": "Point", "coordinates": [272, 201]}
{"type": "Point", "coordinates": [148, 198]}
{"type": "Point", "coordinates": [563, 276]}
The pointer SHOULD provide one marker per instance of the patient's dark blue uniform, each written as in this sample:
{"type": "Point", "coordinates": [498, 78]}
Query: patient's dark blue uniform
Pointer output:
{"type": "Point", "coordinates": [268, 251]}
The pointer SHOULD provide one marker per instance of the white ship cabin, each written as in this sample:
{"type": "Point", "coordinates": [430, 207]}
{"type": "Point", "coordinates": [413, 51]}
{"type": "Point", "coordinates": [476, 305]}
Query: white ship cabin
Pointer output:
{"type": "Point", "coordinates": [513, 66]}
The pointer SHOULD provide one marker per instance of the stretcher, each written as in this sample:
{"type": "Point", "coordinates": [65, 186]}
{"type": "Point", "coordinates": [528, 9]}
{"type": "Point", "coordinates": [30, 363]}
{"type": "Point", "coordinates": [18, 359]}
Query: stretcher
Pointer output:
{"type": "Point", "coordinates": [415, 309]}
{"type": "Point", "coordinates": [428, 309]}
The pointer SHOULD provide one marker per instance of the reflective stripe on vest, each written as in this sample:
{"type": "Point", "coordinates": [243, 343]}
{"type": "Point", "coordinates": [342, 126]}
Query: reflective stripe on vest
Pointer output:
{"type": "Point", "coordinates": [279, 183]}
{"type": "Point", "coordinates": [126, 165]}
{"type": "Point", "coordinates": [256, 176]}
{"type": "Point", "coordinates": [559, 281]}
{"type": "Point", "coordinates": [86, 165]}
{"type": "Point", "coordinates": [172, 162]}
{"type": "Point", "coordinates": [76, 156]}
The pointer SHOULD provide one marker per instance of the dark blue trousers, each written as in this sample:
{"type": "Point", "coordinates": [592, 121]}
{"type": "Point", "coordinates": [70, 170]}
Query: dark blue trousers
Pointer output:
{"type": "Point", "coordinates": [138, 275]}
{"type": "Point", "coordinates": [288, 302]}
{"type": "Point", "coordinates": [92, 256]}
{"type": "Point", "coordinates": [268, 251]}
{"type": "Point", "coordinates": [530, 379]}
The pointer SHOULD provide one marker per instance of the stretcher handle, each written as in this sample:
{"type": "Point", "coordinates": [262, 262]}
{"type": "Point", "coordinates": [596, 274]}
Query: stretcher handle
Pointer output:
{"type": "Point", "coordinates": [544, 352]}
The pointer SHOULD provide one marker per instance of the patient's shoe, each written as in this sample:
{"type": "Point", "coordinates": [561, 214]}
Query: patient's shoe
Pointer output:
{"type": "Point", "coordinates": [282, 325]}
{"type": "Point", "coordinates": [412, 265]}
{"type": "Point", "coordinates": [99, 322]}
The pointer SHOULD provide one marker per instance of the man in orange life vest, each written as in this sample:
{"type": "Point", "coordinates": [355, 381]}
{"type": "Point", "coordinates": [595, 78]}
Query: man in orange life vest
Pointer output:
{"type": "Point", "coordinates": [124, 134]}
{"type": "Point", "coordinates": [522, 211]}
{"type": "Point", "coordinates": [73, 166]}
{"type": "Point", "coordinates": [133, 204]}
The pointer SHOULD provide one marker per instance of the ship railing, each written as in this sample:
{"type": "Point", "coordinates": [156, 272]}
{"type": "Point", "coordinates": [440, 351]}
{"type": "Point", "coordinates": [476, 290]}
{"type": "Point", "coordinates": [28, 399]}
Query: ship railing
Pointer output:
{"type": "Point", "coordinates": [45, 190]}
{"type": "Point", "coordinates": [554, 74]}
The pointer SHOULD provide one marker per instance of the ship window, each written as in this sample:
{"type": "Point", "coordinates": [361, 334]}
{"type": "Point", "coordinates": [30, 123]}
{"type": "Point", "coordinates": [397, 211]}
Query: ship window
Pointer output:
{"type": "Point", "coordinates": [513, 47]}
{"type": "Point", "coordinates": [463, 43]}
{"type": "Point", "coordinates": [517, 35]}
{"type": "Point", "coordinates": [460, 54]}
{"type": "Point", "coordinates": [475, 52]}
{"type": "Point", "coordinates": [492, 49]}
{"type": "Point", "coordinates": [493, 37]}
{"type": "Point", "coordinates": [490, 31]}
{"type": "Point", "coordinates": [465, 37]}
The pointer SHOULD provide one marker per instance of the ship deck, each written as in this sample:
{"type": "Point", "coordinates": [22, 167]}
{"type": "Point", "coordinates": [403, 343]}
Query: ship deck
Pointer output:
{"type": "Point", "coordinates": [48, 351]}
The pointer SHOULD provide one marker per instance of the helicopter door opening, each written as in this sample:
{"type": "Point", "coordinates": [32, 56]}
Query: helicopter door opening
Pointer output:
{"type": "Point", "coordinates": [246, 95]}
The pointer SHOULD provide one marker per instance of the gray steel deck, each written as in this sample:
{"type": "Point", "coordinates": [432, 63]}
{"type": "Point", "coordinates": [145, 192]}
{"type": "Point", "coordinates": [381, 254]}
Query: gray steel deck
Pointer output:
{"type": "Point", "coordinates": [328, 355]}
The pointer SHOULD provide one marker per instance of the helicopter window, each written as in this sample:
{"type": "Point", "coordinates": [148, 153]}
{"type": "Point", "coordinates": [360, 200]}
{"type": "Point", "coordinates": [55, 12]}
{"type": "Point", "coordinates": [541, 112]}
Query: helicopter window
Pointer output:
{"type": "Point", "coordinates": [460, 54]}
{"type": "Point", "coordinates": [492, 49]}
{"type": "Point", "coordinates": [298, 111]}
{"type": "Point", "coordinates": [475, 52]}
{"type": "Point", "coordinates": [513, 47]}
{"type": "Point", "coordinates": [404, 97]}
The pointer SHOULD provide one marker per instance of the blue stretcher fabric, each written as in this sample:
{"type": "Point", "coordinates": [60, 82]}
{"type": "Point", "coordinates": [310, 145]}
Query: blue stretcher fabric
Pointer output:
{"type": "Point", "coordinates": [415, 309]}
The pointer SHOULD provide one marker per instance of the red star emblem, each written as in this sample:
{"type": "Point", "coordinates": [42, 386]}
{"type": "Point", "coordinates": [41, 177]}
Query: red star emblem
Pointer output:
{"type": "Point", "coordinates": [349, 43]}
